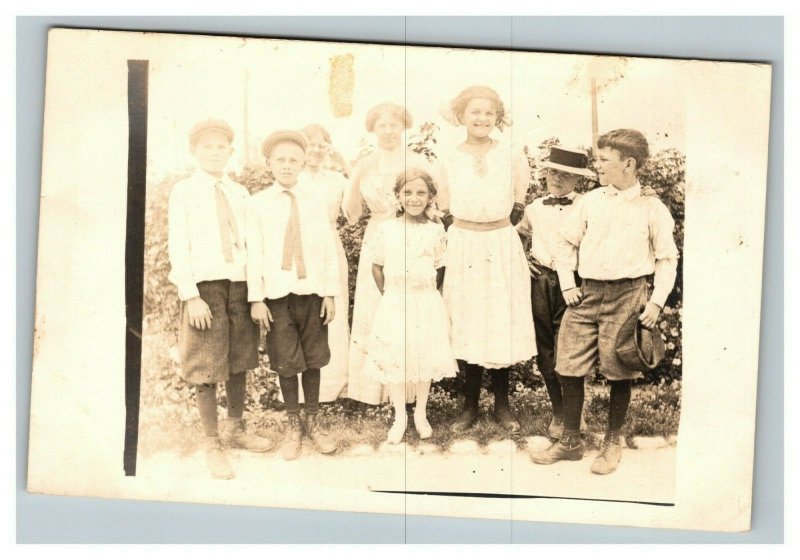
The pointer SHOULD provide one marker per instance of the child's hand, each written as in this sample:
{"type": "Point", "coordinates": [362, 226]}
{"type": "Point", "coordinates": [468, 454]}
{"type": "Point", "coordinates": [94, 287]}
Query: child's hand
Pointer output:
{"type": "Point", "coordinates": [517, 213]}
{"type": "Point", "coordinates": [649, 316]}
{"type": "Point", "coordinates": [327, 310]}
{"type": "Point", "coordinates": [260, 314]}
{"type": "Point", "coordinates": [649, 191]}
{"type": "Point", "coordinates": [573, 296]}
{"type": "Point", "coordinates": [338, 158]}
{"type": "Point", "coordinates": [532, 264]}
{"type": "Point", "coordinates": [199, 313]}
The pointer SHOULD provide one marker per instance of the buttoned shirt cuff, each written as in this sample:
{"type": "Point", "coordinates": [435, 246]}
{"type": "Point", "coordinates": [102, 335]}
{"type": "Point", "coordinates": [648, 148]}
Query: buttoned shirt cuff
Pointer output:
{"type": "Point", "coordinates": [187, 291]}
{"type": "Point", "coordinates": [566, 278]}
{"type": "Point", "coordinates": [664, 280]}
{"type": "Point", "coordinates": [331, 288]}
{"type": "Point", "coordinates": [254, 296]}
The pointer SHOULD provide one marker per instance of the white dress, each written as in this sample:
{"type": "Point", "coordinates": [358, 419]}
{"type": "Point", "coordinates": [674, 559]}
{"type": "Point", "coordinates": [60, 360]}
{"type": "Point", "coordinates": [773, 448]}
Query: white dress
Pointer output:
{"type": "Point", "coordinates": [410, 338]}
{"type": "Point", "coordinates": [380, 171]}
{"type": "Point", "coordinates": [487, 286]}
{"type": "Point", "coordinates": [333, 377]}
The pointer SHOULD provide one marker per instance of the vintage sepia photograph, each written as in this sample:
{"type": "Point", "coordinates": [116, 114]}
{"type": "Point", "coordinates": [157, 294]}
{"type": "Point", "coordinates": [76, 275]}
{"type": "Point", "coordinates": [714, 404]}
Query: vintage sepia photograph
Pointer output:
{"type": "Point", "coordinates": [437, 248]}
{"type": "Point", "coordinates": [417, 280]}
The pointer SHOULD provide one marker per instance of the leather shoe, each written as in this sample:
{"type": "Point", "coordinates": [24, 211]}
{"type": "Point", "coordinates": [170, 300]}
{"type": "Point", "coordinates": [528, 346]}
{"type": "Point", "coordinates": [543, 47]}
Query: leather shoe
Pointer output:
{"type": "Point", "coordinates": [610, 454]}
{"type": "Point", "coordinates": [234, 435]}
{"type": "Point", "coordinates": [322, 441]}
{"type": "Point", "coordinates": [292, 440]}
{"type": "Point", "coordinates": [556, 429]}
{"type": "Point", "coordinates": [217, 460]}
{"type": "Point", "coordinates": [506, 419]}
{"type": "Point", "coordinates": [565, 449]}
{"type": "Point", "coordinates": [465, 421]}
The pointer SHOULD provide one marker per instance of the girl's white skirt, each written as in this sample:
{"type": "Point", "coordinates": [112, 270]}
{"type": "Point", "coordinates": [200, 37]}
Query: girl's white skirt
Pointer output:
{"type": "Point", "coordinates": [487, 291]}
{"type": "Point", "coordinates": [410, 339]}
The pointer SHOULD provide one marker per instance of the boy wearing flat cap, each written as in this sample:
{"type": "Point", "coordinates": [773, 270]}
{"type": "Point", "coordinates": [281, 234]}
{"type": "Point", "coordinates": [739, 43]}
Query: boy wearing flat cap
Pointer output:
{"type": "Point", "coordinates": [617, 237]}
{"type": "Point", "coordinates": [540, 225]}
{"type": "Point", "coordinates": [292, 278]}
{"type": "Point", "coordinates": [217, 341]}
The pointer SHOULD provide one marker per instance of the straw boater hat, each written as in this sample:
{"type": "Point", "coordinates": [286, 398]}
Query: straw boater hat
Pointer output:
{"type": "Point", "coordinates": [569, 161]}
{"type": "Point", "coordinates": [637, 347]}
{"type": "Point", "coordinates": [283, 136]}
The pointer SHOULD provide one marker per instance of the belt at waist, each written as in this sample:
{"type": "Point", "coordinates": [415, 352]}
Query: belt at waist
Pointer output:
{"type": "Point", "coordinates": [481, 226]}
{"type": "Point", "coordinates": [410, 286]}
{"type": "Point", "coordinates": [616, 281]}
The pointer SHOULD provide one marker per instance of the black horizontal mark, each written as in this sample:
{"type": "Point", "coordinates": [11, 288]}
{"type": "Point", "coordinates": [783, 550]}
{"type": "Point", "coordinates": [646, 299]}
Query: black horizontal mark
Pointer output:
{"type": "Point", "coordinates": [518, 497]}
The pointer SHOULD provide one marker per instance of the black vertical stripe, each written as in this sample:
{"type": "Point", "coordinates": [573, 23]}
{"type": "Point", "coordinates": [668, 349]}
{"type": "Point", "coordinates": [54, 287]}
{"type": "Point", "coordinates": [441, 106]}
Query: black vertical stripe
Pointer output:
{"type": "Point", "coordinates": [134, 254]}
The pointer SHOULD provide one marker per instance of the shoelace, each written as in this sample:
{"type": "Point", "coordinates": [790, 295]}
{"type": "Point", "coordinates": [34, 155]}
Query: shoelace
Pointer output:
{"type": "Point", "coordinates": [607, 443]}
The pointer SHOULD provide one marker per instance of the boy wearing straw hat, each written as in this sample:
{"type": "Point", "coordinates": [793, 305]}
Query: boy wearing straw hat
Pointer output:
{"type": "Point", "coordinates": [616, 237]}
{"type": "Point", "coordinates": [540, 224]}
{"type": "Point", "coordinates": [292, 278]}
{"type": "Point", "coordinates": [217, 341]}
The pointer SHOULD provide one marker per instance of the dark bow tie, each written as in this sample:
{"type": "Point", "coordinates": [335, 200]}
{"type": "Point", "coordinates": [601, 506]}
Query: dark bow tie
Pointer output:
{"type": "Point", "coordinates": [557, 201]}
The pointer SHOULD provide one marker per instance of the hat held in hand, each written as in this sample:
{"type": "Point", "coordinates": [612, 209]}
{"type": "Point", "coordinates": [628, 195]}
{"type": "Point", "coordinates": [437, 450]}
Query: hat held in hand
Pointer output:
{"type": "Point", "coordinates": [637, 347]}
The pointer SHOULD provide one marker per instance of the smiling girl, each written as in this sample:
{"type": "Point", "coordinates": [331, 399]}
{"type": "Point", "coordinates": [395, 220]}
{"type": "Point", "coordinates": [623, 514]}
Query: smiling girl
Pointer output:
{"type": "Point", "coordinates": [372, 184]}
{"type": "Point", "coordinates": [410, 339]}
{"type": "Point", "coordinates": [487, 287]}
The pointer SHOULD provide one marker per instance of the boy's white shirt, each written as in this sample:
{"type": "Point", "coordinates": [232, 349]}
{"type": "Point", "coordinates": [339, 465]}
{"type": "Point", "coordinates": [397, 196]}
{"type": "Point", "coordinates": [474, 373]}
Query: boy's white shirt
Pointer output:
{"type": "Point", "coordinates": [631, 236]}
{"type": "Point", "coordinates": [542, 223]}
{"type": "Point", "coordinates": [266, 217]}
{"type": "Point", "coordinates": [195, 245]}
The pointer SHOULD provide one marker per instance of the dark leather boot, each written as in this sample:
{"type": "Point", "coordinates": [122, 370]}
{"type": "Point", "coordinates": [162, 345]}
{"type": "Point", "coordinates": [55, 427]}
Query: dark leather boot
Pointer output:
{"type": "Point", "coordinates": [502, 413]}
{"type": "Point", "coordinates": [569, 448]}
{"type": "Point", "coordinates": [472, 392]}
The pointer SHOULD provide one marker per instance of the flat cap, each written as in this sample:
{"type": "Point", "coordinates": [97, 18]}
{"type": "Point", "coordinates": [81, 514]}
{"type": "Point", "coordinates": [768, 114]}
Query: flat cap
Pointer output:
{"type": "Point", "coordinates": [209, 125]}
{"type": "Point", "coordinates": [283, 136]}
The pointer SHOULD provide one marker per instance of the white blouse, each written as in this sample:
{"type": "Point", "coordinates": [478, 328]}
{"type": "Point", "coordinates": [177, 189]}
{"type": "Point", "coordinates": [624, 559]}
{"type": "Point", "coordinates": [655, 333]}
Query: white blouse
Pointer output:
{"type": "Point", "coordinates": [484, 188]}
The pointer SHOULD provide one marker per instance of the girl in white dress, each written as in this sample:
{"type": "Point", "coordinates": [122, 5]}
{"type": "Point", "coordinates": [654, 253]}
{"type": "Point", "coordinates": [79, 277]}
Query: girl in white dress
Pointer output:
{"type": "Point", "coordinates": [373, 183]}
{"type": "Point", "coordinates": [487, 285]}
{"type": "Point", "coordinates": [410, 342]}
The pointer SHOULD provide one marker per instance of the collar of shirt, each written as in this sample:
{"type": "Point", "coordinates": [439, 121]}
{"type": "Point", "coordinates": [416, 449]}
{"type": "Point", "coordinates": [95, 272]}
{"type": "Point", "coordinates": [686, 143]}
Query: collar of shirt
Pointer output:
{"type": "Point", "coordinates": [629, 194]}
{"type": "Point", "coordinates": [278, 189]}
{"type": "Point", "coordinates": [210, 180]}
{"type": "Point", "coordinates": [571, 195]}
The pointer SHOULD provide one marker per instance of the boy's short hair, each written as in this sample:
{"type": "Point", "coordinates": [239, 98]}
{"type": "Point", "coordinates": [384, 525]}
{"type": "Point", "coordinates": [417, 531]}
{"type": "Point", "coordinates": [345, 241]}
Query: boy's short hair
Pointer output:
{"type": "Point", "coordinates": [281, 137]}
{"type": "Point", "coordinates": [210, 125]}
{"type": "Point", "coordinates": [630, 143]}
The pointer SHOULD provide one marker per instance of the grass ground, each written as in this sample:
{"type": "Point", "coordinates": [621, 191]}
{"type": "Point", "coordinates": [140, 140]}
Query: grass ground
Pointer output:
{"type": "Point", "coordinates": [169, 420]}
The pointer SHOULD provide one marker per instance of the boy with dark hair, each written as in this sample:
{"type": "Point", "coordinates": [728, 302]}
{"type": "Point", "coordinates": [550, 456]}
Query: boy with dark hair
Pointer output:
{"type": "Point", "coordinates": [617, 238]}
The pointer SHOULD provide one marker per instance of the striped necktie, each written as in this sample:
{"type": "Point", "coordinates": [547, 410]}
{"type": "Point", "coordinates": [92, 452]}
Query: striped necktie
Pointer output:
{"type": "Point", "coordinates": [292, 245]}
{"type": "Point", "coordinates": [228, 232]}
